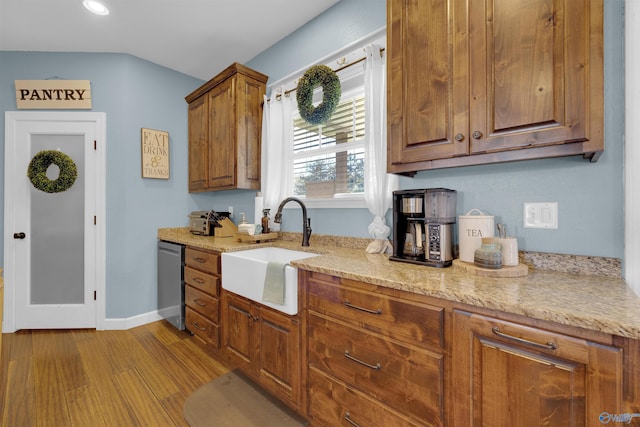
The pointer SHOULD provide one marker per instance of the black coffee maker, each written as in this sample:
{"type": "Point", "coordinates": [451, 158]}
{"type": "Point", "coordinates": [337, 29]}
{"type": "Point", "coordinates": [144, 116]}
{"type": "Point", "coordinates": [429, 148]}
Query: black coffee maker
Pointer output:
{"type": "Point", "coordinates": [423, 226]}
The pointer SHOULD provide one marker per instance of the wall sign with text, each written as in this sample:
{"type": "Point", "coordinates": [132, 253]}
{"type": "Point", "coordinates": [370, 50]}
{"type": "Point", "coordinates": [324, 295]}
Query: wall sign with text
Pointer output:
{"type": "Point", "coordinates": [53, 94]}
{"type": "Point", "coordinates": [155, 153]}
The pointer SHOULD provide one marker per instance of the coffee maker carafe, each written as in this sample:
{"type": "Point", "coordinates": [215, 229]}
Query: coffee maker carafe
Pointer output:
{"type": "Point", "coordinates": [423, 226]}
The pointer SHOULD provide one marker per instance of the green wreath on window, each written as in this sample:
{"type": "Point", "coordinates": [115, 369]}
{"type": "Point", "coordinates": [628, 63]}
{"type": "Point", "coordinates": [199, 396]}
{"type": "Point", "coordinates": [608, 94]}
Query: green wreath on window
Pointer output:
{"type": "Point", "coordinates": [37, 171]}
{"type": "Point", "coordinates": [318, 75]}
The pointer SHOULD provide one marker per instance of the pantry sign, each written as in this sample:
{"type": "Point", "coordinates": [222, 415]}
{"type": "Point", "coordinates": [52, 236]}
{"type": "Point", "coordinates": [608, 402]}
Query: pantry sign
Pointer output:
{"type": "Point", "coordinates": [53, 94]}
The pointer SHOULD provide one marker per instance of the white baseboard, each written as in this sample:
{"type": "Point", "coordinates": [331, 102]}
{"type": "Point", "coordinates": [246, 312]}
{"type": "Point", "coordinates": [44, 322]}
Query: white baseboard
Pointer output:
{"type": "Point", "coordinates": [131, 322]}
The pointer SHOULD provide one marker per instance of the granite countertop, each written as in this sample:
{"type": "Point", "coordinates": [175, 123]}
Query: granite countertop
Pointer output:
{"type": "Point", "coordinates": [592, 301]}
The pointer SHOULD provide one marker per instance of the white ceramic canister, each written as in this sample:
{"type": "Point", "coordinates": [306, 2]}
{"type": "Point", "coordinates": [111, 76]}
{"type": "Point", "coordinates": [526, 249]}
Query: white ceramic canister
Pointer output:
{"type": "Point", "coordinates": [471, 229]}
{"type": "Point", "coordinates": [509, 249]}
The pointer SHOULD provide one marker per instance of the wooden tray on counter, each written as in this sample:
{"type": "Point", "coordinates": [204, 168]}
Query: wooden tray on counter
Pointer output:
{"type": "Point", "coordinates": [520, 270]}
{"type": "Point", "coordinates": [256, 238]}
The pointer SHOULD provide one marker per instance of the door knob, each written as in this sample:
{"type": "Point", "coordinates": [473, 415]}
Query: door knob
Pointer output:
{"type": "Point", "coordinates": [19, 235]}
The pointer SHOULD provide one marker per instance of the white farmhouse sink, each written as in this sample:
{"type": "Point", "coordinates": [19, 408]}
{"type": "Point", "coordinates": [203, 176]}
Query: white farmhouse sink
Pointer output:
{"type": "Point", "coordinates": [244, 272]}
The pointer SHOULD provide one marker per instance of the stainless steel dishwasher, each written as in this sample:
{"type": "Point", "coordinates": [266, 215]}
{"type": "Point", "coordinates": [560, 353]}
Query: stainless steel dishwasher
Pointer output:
{"type": "Point", "coordinates": [171, 283]}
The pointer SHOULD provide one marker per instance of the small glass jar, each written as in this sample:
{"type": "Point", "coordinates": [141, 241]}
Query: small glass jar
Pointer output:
{"type": "Point", "coordinates": [488, 256]}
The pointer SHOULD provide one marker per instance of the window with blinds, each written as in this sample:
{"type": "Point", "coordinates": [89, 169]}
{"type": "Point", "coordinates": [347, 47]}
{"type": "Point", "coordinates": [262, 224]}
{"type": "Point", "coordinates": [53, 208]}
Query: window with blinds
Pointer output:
{"type": "Point", "coordinates": [329, 159]}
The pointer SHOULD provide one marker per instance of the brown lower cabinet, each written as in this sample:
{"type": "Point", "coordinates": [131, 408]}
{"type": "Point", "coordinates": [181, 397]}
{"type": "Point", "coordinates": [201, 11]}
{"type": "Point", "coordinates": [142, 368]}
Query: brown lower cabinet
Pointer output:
{"type": "Point", "coordinates": [509, 374]}
{"type": "Point", "coordinates": [374, 358]}
{"type": "Point", "coordinates": [378, 356]}
{"type": "Point", "coordinates": [334, 403]}
{"type": "Point", "coordinates": [405, 379]}
{"type": "Point", "coordinates": [358, 354]}
{"type": "Point", "coordinates": [265, 345]}
{"type": "Point", "coordinates": [202, 295]}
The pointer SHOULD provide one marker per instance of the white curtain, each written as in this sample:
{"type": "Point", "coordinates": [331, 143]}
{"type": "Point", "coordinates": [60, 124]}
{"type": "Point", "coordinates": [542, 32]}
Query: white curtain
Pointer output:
{"type": "Point", "coordinates": [277, 140]}
{"type": "Point", "coordinates": [379, 185]}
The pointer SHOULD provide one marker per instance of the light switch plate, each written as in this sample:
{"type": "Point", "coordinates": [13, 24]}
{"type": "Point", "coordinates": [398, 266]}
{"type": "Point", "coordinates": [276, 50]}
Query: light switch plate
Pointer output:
{"type": "Point", "coordinates": [541, 215]}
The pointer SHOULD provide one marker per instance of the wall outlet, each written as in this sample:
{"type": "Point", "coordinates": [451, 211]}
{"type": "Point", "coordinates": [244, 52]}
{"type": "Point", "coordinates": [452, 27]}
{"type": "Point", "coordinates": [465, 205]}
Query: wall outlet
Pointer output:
{"type": "Point", "coordinates": [230, 210]}
{"type": "Point", "coordinates": [541, 215]}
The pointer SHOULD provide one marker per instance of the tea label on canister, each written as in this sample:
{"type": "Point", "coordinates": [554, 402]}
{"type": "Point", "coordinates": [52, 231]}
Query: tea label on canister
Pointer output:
{"type": "Point", "coordinates": [471, 229]}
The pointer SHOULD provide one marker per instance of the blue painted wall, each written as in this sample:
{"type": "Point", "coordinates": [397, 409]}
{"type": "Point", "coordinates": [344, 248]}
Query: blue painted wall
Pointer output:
{"type": "Point", "coordinates": [589, 196]}
{"type": "Point", "coordinates": [135, 93]}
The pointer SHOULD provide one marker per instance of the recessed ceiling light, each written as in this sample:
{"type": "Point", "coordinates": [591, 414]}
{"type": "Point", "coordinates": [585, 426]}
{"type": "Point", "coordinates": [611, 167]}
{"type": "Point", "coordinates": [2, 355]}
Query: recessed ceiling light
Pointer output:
{"type": "Point", "coordinates": [95, 7]}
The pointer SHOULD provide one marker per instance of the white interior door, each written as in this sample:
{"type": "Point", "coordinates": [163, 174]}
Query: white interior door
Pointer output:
{"type": "Point", "coordinates": [52, 240]}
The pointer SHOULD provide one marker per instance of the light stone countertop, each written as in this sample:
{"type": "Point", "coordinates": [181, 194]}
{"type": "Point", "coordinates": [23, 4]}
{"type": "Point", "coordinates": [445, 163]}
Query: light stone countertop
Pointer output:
{"type": "Point", "coordinates": [594, 302]}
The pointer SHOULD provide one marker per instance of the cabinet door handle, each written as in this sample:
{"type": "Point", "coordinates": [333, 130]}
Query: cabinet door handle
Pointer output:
{"type": "Point", "coordinates": [377, 366]}
{"type": "Point", "coordinates": [201, 304]}
{"type": "Point", "coordinates": [347, 418]}
{"type": "Point", "coordinates": [198, 280]}
{"type": "Point", "coordinates": [197, 326]}
{"type": "Point", "coordinates": [548, 346]}
{"type": "Point", "coordinates": [200, 260]}
{"type": "Point", "coordinates": [477, 134]}
{"type": "Point", "coordinates": [366, 310]}
{"type": "Point", "coordinates": [459, 137]}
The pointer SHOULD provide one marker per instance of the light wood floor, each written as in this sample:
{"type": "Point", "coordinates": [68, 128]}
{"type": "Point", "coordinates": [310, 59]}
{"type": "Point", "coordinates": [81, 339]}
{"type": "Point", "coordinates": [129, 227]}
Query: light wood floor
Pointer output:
{"type": "Point", "coordinates": [81, 378]}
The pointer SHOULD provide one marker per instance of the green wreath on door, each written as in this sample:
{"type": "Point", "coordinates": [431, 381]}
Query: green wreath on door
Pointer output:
{"type": "Point", "coordinates": [37, 171]}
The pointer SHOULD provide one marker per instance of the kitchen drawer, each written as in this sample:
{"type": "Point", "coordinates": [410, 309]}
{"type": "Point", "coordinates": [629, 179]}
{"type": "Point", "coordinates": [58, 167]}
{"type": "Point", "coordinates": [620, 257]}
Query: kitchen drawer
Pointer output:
{"type": "Point", "coordinates": [548, 342]}
{"type": "Point", "coordinates": [410, 379]}
{"type": "Point", "coordinates": [201, 260]}
{"type": "Point", "coordinates": [203, 328]}
{"type": "Point", "coordinates": [202, 281]}
{"type": "Point", "coordinates": [333, 403]}
{"type": "Point", "coordinates": [203, 303]}
{"type": "Point", "coordinates": [398, 318]}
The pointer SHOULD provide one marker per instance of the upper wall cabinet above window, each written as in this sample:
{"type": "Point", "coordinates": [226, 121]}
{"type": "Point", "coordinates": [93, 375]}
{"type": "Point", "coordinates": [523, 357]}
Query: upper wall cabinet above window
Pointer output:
{"type": "Point", "coordinates": [225, 128]}
{"type": "Point", "coordinates": [488, 81]}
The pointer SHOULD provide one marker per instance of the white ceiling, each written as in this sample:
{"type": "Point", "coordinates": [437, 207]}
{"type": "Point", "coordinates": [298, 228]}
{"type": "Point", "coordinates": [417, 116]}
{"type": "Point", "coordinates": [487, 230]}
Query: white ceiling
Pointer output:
{"type": "Point", "coordinates": [196, 37]}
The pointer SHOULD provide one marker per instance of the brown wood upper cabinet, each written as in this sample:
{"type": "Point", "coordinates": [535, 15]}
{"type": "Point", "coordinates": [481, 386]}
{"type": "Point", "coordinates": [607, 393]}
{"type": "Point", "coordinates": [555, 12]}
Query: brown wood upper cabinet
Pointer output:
{"type": "Point", "coordinates": [486, 81]}
{"type": "Point", "coordinates": [225, 127]}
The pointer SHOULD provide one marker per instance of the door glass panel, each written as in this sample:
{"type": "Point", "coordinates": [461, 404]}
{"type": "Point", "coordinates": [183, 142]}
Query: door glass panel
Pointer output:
{"type": "Point", "coordinates": [57, 229]}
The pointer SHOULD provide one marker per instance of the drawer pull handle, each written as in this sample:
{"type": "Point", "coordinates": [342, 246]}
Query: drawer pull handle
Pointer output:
{"type": "Point", "coordinates": [200, 260]}
{"type": "Point", "coordinates": [198, 280]}
{"type": "Point", "coordinates": [377, 366]}
{"type": "Point", "coordinates": [548, 346]}
{"type": "Point", "coordinates": [201, 304]}
{"type": "Point", "coordinates": [366, 310]}
{"type": "Point", "coordinates": [198, 326]}
{"type": "Point", "coordinates": [347, 418]}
